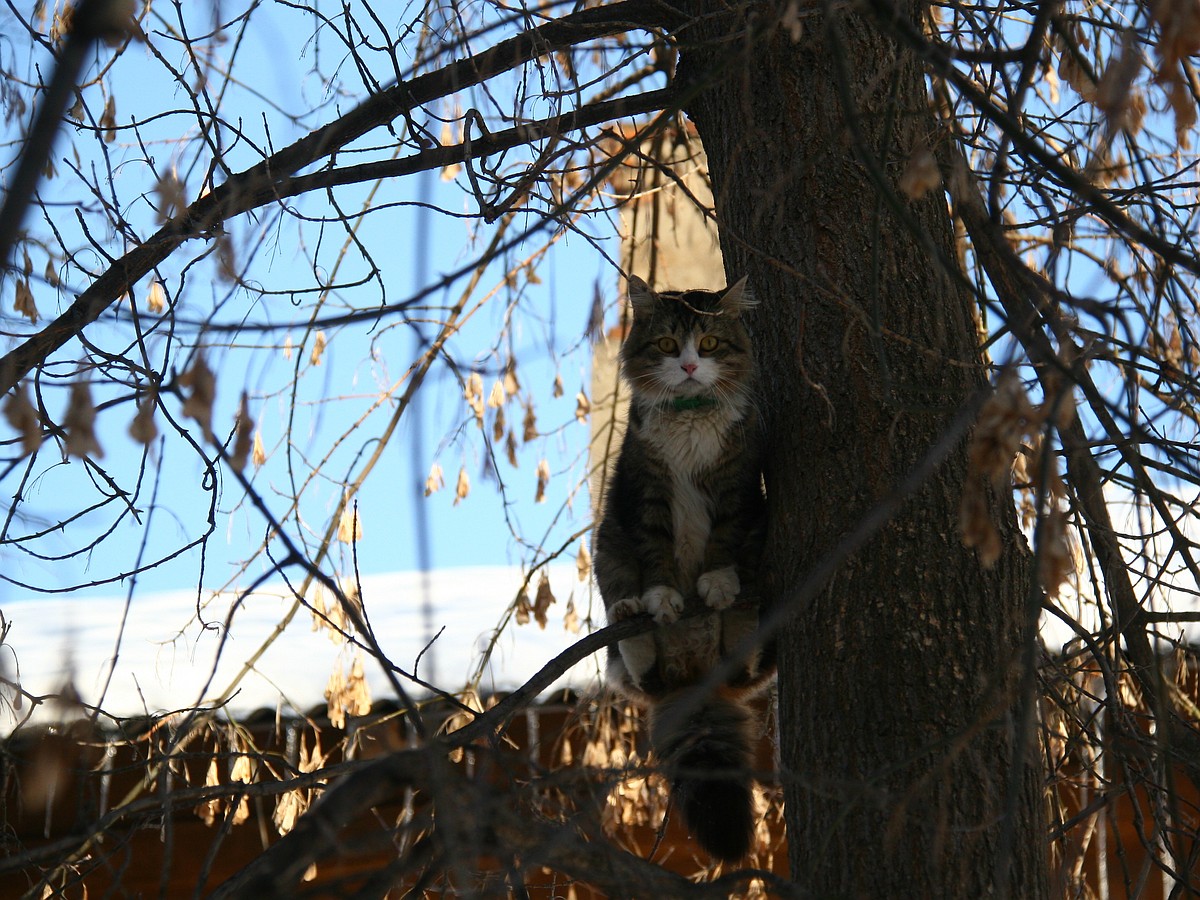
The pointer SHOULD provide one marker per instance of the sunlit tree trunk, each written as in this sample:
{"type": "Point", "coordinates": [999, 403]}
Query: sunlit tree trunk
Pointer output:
{"type": "Point", "coordinates": [910, 765]}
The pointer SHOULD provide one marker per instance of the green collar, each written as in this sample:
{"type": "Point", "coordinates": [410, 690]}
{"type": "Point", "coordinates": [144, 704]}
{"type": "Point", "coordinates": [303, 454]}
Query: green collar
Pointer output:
{"type": "Point", "coordinates": [685, 404]}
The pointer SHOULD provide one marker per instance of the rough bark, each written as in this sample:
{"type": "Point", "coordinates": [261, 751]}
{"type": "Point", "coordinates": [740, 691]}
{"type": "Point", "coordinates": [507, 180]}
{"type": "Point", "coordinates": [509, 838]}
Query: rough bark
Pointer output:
{"type": "Point", "coordinates": [910, 765]}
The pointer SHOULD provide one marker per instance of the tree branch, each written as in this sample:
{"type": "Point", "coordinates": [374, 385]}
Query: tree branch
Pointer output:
{"type": "Point", "coordinates": [263, 182]}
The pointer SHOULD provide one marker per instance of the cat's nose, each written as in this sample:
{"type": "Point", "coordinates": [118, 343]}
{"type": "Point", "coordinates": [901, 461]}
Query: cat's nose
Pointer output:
{"type": "Point", "coordinates": [688, 367]}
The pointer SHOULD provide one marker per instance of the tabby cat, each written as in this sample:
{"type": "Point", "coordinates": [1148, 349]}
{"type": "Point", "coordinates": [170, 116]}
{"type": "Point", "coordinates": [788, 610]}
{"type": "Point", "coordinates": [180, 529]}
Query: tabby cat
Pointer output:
{"type": "Point", "coordinates": [682, 528]}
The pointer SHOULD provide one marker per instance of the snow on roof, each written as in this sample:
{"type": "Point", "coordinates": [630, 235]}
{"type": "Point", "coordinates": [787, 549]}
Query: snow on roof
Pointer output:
{"type": "Point", "coordinates": [161, 654]}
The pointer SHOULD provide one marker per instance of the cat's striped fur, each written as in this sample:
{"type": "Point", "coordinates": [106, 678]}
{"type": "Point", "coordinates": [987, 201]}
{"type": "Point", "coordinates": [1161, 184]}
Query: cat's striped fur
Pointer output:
{"type": "Point", "coordinates": [682, 529]}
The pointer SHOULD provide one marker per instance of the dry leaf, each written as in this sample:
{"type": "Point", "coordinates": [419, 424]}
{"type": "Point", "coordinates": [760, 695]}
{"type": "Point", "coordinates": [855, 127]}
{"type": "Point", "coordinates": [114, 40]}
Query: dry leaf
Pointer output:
{"type": "Point", "coordinates": [156, 297]}
{"type": "Point", "coordinates": [463, 487]}
{"type": "Point", "coordinates": [208, 810]}
{"type": "Point", "coordinates": [288, 809]}
{"type": "Point", "coordinates": [583, 407]}
{"type": "Point", "coordinates": [347, 694]}
{"type": "Point", "coordinates": [543, 478]}
{"type": "Point", "coordinates": [449, 172]}
{"type": "Point", "coordinates": [334, 689]}
{"type": "Point", "coordinates": [583, 561]}
{"type": "Point", "coordinates": [143, 428]}
{"type": "Point", "coordinates": [975, 523]}
{"type": "Point", "coordinates": [498, 425]}
{"type": "Point", "coordinates": [523, 608]}
{"type": "Point", "coordinates": [199, 403]}
{"type": "Point", "coordinates": [921, 174]}
{"type": "Point", "coordinates": [543, 601]}
{"type": "Point", "coordinates": [80, 423]}
{"type": "Point", "coordinates": [350, 525]}
{"type": "Point", "coordinates": [243, 439]}
{"type": "Point", "coordinates": [23, 416]}
{"type": "Point", "coordinates": [1055, 564]}
{"type": "Point", "coordinates": [1004, 419]}
{"type": "Point", "coordinates": [23, 301]}
{"type": "Point", "coordinates": [435, 481]}
{"type": "Point", "coordinates": [318, 350]}
{"type": "Point", "coordinates": [473, 394]}
{"type": "Point", "coordinates": [557, 390]}
{"type": "Point", "coordinates": [530, 425]}
{"type": "Point", "coordinates": [571, 618]}
{"type": "Point", "coordinates": [171, 200]}
{"type": "Point", "coordinates": [595, 326]}
{"type": "Point", "coordinates": [258, 455]}
{"type": "Point", "coordinates": [511, 385]}
{"type": "Point", "coordinates": [790, 21]}
{"type": "Point", "coordinates": [227, 266]}
{"type": "Point", "coordinates": [108, 120]}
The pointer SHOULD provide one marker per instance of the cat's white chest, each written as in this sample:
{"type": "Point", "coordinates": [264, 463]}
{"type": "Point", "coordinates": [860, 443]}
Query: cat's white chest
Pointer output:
{"type": "Point", "coordinates": [689, 443]}
{"type": "Point", "coordinates": [691, 523]}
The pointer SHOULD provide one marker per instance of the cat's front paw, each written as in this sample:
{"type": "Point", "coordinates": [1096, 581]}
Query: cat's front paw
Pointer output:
{"type": "Point", "coordinates": [664, 603]}
{"type": "Point", "coordinates": [719, 588]}
{"type": "Point", "coordinates": [625, 609]}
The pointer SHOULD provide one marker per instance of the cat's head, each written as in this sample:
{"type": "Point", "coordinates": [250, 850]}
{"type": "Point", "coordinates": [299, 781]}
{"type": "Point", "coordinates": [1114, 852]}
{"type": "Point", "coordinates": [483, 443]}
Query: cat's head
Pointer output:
{"type": "Point", "coordinates": [688, 347]}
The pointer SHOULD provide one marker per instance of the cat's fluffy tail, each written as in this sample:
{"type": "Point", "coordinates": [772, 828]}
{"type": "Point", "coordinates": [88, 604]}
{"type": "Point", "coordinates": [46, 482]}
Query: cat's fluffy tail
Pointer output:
{"type": "Point", "coordinates": [706, 747]}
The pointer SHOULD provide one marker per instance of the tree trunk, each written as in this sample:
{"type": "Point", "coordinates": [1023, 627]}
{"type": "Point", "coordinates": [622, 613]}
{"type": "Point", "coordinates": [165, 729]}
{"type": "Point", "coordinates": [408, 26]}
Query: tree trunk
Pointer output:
{"type": "Point", "coordinates": [909, 763]}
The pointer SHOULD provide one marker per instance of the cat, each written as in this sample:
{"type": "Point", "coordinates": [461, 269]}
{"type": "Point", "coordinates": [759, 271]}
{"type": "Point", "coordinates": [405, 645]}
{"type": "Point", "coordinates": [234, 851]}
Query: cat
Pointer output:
{"type": "Point", "coordinates": [682, 529]}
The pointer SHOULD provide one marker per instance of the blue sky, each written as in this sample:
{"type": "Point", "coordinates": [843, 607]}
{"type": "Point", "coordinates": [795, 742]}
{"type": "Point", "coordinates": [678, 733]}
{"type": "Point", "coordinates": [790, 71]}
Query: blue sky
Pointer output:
{"type": "Point", "coordinates": [544, 319]}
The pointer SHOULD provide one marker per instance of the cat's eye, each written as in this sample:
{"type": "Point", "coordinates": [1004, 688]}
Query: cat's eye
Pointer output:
{"type": "Point", "coordinates": [667, 345]}
{"type": "Point", "coordinates": [708, 343]}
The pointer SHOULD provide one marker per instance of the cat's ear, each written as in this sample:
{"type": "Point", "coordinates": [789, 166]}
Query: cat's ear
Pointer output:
{"type": "Point", "coordinates": [738, 298]}
{"type": "Point", "coordinates": [640, 296]}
